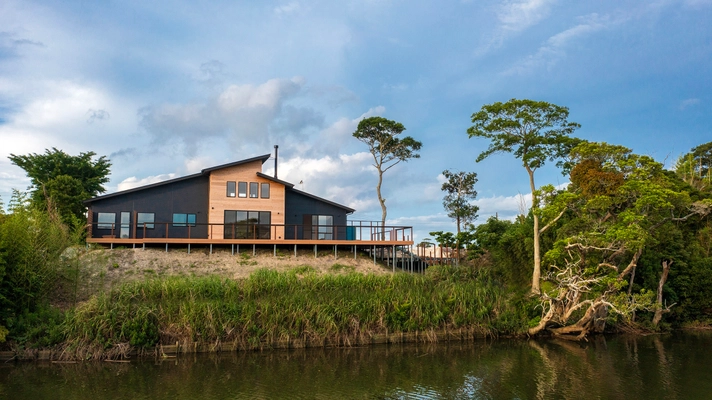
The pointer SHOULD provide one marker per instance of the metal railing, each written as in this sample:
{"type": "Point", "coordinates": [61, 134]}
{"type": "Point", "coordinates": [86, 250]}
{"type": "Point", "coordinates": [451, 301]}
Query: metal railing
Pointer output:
{"type": "Point", "coordinates": [354, 230]}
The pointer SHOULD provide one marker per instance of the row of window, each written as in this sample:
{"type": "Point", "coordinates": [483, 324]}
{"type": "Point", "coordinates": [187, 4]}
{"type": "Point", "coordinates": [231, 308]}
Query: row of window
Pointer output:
{"type": "Point", "coordinates": [247, 224]}
{"type": "Point", "coordinates": [108, 220]}
{"type": "Point", "coordinates": [239, 189]}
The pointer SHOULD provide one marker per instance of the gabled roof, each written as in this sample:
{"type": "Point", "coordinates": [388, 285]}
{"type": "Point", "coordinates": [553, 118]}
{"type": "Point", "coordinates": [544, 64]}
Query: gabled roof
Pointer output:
{"type": "Point", "coordinates": [348, 209]}
{"type": "Point", "coordinates": [205, 171]}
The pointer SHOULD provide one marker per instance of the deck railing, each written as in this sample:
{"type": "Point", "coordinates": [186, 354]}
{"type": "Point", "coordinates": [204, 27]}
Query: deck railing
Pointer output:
{"type": "Point", "coordinates": [354, 230]}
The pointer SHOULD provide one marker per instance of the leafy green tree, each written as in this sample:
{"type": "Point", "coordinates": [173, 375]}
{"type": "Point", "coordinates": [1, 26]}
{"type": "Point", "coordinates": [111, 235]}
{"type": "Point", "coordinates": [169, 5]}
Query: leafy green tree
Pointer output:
{"type": "Point", "coordinates": [65, 179]}
{"type": "Point", "coordinates": [31, 243]}
{"type": "Point", "coordinates": [380, 135]}
{"type": "Point", "coordinates": [459, 191]}
{"type": "Point", "coordinates": [535, 132]}
{"type": "Point", "coordinates": [695, 167]}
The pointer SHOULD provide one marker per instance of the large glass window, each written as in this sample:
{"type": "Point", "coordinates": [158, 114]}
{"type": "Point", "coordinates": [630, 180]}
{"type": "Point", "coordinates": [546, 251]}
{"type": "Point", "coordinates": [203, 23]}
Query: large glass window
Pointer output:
{"type": "Point", "coordinates": [247, 224]}
{"type": "Point", "coordinates": [105, 220]}
{"type": "Point", "coordinates": [254, 188]}
{"type": "Point", "coordinates": [242, 189]}
{"type": "Point", "coordinates": [182, 220]}
{"type": "Point", "coordinates": [323, 227]}
{"type": "Point", "coordinates": [231, 189]}
{"type": "Point", "coordinates": [265, 190]}
{"type": "Point", "coordinates": [125, 225]}
{"type": "Point", "coordinates": [145, 218]}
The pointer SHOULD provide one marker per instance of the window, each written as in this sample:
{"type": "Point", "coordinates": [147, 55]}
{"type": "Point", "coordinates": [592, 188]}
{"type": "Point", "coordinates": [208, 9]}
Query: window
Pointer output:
{"type": "Point", "coordinates": [242, 189]}
{"type": "Point", "coordinates": [231, 189]}
{"type": "Point", "coordinates": [247, 224]}
{"type": "Point", "coordinates": [254, 187]}
{"type": "Point", "coordinates": [106, 220]}
{"type": "Point", "coordinates": [125, 225]}
{"type": "Point", "coordinates": [147, 218]}
{"type": "Point", "coordinates": [183, 220]}
{"type": "Point", "coordinates": [265, 190]}
{"type": "Point", "coordinates": [323, 227]}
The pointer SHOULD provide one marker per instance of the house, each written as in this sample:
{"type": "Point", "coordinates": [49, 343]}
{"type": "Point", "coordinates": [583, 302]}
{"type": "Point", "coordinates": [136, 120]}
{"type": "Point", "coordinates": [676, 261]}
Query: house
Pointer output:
{"type": "Point", "coordinates": [232, 203]}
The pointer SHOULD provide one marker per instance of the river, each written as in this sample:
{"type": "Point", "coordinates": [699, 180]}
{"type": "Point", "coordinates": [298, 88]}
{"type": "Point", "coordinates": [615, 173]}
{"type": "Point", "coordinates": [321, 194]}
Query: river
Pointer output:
{"type": "Point", "coordinates": [671, 366]}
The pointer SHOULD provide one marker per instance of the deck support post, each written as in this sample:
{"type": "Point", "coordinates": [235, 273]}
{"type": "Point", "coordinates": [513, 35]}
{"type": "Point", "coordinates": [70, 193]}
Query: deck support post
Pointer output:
{"type": "Point", "coordinates": [314, 251]}
{"type": "Point", "coordinates": [111, 246]}
{"type": "Point", "coordinates": [188, 248]}
{"type": "Point", "coordinates": [144, 245]}
{"type": "Point", "coordinates": [238, 249]}
{"type": "Point", "coordinates": [374, 254]}
{"type": "Point", "coordinates": [166, 247]}
{"type": "Point", "coordinates": [274, 252]}
{"type": "Point", "coordinates": [253, 250]}
{"type": "Point", "coordinates": [354, 252]}
{"type": "Point", "coordinates": [295, 250]}
{"type": "Point", "coordinates": [411, 260]}
{"type": "Point", "coordinates": [335, 253]}
{"type": "Point", "coordinates": [211, 248]}
{"type": "Point", "coordinates": [394, 258]}
{"type": "Point", "coordinates": [134, 245]}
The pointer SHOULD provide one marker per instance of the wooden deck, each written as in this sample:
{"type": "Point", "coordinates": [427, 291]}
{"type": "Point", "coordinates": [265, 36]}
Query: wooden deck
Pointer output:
{"type": "Point", "coordinates": [299, 242]}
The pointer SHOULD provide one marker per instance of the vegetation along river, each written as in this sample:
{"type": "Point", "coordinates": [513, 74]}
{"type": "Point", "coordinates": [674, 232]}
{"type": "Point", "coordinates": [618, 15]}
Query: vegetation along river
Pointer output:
{"type": "Point", "coordinates": [671, 366]}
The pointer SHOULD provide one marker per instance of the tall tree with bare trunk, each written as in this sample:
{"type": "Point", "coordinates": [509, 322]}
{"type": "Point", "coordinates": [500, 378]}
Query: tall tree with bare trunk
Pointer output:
{"type": "Point", "coordinates": [381, 137]}
{"type": "Point", "coordinates": [535, 132]}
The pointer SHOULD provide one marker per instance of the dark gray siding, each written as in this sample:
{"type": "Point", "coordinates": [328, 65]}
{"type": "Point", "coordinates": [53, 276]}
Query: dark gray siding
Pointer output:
{"type": "Point", "coordinates": [189, 196]}
{"type": "Point", "coordinates": [297, 205]}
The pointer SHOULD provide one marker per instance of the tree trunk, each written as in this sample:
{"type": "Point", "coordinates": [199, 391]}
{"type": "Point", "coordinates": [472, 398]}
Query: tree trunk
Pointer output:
{"type": "Point", "coordinates": [659, 310]}
{"type": "Point", "coordinates": [383, 205]}
{"type": "Point", "coordinates": [536, 275]}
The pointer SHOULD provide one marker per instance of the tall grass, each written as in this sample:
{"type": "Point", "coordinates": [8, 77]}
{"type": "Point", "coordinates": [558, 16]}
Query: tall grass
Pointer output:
{"type": "Point", "coordinates": [273, 305]}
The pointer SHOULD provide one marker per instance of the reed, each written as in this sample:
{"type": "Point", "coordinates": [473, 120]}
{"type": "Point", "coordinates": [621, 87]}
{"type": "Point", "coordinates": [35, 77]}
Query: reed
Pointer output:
{"type": "Point", "coordinates": [272, 305]}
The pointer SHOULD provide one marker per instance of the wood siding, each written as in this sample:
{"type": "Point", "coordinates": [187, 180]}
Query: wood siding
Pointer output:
{"type": "Point", "coordinates": [218, 202]}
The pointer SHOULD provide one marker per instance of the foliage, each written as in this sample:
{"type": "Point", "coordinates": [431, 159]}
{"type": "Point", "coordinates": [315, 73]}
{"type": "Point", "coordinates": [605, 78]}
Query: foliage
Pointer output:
{"type": "Point", "coordinates": [66, 179]}
{"type": "Point", "coordinates": [31, 243]}
{"type": "Point", "coordinates": [380, 135]}
{"type": "Point", "coordinates": [535, 132]}
{"type": "Point", "coordinates": [270, 305]}
{"type": "Point", "coordinates": [459, 189]}
{"type": "Point", "coordinates": [695, 167]}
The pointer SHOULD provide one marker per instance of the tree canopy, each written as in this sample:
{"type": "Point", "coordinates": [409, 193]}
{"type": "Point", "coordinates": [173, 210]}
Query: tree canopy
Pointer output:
{"type": "Point", "coordinates": [65, 180]}
{"type": "Point", "coordinates": [535, 132]}
{"type": "Point", "coordinates": [381, 137]}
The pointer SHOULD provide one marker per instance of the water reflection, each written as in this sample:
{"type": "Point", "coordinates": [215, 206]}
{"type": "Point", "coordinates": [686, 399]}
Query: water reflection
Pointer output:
{"type": "Point", "coordinates": [621, 367]}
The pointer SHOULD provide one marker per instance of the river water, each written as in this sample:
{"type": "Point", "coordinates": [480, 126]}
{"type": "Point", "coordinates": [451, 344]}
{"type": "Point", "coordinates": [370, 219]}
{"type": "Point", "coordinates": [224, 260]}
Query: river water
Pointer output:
{"type": "Point", "coordinates": [673, 366]}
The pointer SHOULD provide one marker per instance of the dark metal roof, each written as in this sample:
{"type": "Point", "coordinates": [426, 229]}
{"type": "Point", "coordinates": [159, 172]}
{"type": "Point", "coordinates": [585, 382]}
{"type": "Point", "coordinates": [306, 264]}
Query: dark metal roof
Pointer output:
{"type": "Point", "coordinates": [262, 158]}
{"type": "Point", "coordinates": [139, 188]}
{"type": "Point", "coordinates": [273, 179]}
{"type": "Point", "coordinates": [205, 171]}
{"type": "Point", "coordinates": [348, 209]}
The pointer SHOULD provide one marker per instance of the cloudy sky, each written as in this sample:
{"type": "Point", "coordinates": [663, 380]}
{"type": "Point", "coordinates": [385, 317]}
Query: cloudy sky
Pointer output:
{"type": "Point", "coordinates": [166, 88]}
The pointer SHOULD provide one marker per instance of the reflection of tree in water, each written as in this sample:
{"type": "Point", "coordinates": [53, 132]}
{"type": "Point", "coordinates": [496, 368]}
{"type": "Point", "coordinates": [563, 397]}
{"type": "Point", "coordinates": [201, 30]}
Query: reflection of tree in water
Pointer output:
{"type": "Point", "coordinates": [618, 368]}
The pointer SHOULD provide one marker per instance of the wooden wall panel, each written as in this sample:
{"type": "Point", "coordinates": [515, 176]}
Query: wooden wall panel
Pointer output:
{"type": "Point", "coordinates": [219, 202]}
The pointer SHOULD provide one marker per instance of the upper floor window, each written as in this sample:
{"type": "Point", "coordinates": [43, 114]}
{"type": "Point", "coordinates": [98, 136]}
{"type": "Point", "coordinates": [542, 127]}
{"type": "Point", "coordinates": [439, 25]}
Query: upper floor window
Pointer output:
{"type": "Point", "coordinates": [265, 190]}
{"type": "Point", "coordinates": [242, 189]}
{"type": "Point", "coordinates": [231, 189]}
{"type": "Point", "coordinates": [254, 188]}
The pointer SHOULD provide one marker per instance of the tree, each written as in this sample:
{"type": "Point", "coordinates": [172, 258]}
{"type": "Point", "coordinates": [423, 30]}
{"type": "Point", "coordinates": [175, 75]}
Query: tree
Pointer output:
{"type": "Point", "coordinates": [535, 132]}
{"type": "Point", "coordinates": [66, 180]}
{"type": "Point", "coordinates": [459, 191]}
{"type": "Point", "coordinates": [387, 149]}
{"type": "Point", "coordinates": [695, 167]}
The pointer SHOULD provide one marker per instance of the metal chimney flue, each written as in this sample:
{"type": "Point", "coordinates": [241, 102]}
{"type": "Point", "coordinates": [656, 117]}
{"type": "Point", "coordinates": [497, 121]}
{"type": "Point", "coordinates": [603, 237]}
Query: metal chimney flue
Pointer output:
{"type": "Point", "coordinates": [276, 158]}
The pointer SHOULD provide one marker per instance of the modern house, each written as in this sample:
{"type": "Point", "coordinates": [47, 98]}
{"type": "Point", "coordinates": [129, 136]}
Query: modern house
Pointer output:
{"type": "Point", "coordinates": [234, 204]}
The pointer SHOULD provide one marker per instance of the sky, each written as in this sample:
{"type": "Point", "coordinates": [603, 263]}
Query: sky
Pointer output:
{"type": "Point", "coordinates": [167, 88]}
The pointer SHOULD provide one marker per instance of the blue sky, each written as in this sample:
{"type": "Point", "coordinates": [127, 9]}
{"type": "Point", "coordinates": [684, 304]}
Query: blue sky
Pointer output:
{"type": "Point", "coordinates": [166, 88]}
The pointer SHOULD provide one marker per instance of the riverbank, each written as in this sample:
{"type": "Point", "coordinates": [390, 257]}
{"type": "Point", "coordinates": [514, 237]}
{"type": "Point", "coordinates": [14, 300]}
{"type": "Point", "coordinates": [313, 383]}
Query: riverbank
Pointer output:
{"type": "Point", "coordinates": [299, 307]}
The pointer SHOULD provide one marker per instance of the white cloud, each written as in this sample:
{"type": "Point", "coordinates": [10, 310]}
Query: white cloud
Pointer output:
{"type": "Point", "coordinates": [689, 103]}
{"type": "Point", "coordinates": [555, 48]}
{"type": "Point", "coordinates": [287, 8]}
{"type": "Point", "coordinates": [521, 14]}
{"type": "Point", "coordinates": [132, 182]}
